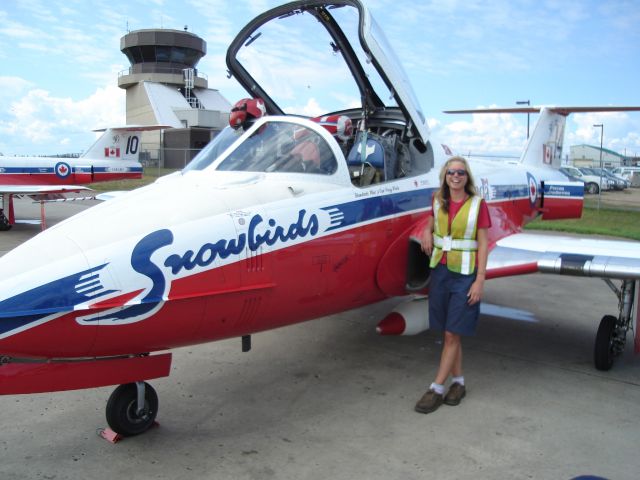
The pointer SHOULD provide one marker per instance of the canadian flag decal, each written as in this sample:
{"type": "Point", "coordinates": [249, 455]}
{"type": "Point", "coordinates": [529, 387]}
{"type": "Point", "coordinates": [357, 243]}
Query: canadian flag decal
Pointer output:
{"type": "Point", "coordinates": [546, 154]}
{"type": "Point", "coordinates": [112, 152]}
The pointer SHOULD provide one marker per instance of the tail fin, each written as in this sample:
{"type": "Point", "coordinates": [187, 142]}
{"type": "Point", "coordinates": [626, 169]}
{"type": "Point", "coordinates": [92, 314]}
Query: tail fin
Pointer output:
{"type": "Point", "coordinates": [544, 146]}
{"type": "Point", "coordinates": [119, 143]}
{"type": "Point", "coordinates": [545, 143]}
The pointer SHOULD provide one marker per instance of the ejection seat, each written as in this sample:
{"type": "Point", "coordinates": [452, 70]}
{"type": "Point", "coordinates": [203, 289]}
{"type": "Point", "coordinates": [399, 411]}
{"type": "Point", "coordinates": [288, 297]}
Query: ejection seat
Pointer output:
{"type": "Point", "coordinates": [372, 159]}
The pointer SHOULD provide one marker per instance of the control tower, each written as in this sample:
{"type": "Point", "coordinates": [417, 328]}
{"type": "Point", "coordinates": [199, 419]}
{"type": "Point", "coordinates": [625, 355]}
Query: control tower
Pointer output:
{"type": "Point", "coordinates": [161, 56]}
{"type": "Point", "coordinates": [164, 87]}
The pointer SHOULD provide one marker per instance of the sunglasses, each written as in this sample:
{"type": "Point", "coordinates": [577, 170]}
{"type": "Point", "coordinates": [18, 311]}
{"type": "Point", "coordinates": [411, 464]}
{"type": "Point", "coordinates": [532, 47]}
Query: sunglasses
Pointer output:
{"type": "Point", "coordinates": [459, 172]}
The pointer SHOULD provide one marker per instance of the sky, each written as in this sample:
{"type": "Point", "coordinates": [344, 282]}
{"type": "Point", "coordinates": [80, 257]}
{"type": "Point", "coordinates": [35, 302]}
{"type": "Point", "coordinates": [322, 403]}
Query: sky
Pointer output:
{"type": "Point", "coordinates": [60, 59]}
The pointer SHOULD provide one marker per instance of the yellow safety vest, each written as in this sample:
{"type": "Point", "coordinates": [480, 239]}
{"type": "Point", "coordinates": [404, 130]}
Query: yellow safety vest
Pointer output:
{"type": "Point", "coordinates": [460, 244]}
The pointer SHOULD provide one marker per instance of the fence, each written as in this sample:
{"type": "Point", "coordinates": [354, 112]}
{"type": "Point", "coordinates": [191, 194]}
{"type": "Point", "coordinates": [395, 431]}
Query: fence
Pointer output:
{"type": "Point", "coordinates": [174, 158]}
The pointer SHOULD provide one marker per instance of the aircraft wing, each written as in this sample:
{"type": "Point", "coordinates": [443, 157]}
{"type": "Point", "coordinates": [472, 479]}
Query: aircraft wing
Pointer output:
{"type": "Point", "coordinates": [585, 257]}
{"type": "Point", "coordinates": [548, 253]}
{"type": "Point", "coordinates": [38, 193]}
{"type": "Point", "coordinates": [40, 189]}
{"type": "Point", "coordinates": [45, 193]}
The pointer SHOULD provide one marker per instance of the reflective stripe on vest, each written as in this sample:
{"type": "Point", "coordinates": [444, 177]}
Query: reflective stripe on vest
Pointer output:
{"type": "Point", "coordinates": [462, 256]}
{"type": "Point", "coordinates": [456, 244]}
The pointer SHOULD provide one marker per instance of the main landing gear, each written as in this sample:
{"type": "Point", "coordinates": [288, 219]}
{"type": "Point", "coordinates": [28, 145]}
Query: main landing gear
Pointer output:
{"type": "Point", "coordinates": [612, 332]}
{"type": "Point", "coordinates": [132, 408]}
{"type": "Point", "coordinates": [4, 222]}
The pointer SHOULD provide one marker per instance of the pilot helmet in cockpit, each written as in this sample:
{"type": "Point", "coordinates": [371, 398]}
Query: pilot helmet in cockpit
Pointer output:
{"type": "Point", "coordinates": [246, 111]}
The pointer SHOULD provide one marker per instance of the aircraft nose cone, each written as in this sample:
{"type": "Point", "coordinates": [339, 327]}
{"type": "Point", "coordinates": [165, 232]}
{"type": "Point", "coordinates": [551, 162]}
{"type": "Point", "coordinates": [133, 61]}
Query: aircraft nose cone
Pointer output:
{"type": "Point", "coordinates": [40, 281]}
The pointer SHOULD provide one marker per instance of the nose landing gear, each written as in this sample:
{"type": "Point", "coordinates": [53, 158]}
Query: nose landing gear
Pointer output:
{"type": "Point", "coordinates": [132, 408]}
{"type": "Point", "coordinates": [4, 222]}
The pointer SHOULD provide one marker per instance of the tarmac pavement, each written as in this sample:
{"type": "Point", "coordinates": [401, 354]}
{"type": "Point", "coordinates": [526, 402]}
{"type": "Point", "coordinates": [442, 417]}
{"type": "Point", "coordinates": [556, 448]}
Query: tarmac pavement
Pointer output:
{"type": "Point", "coordinates": [330, 399]}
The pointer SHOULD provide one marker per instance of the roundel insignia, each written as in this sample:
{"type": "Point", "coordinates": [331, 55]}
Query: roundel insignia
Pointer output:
{"type": "Point", "coordinates": [533, 188]}
{"type": "Point", "coordinates": [62, 169]}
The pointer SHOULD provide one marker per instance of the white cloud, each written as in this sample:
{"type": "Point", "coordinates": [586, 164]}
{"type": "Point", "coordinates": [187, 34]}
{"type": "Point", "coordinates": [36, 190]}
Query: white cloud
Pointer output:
{"type": "Point", "coordinates": [311, 109]}
{"type": "Point", "coordinates": [16, 30]}
{"type": "Point", "coordinates": [485, 134]}
{"type": "Point", "coordinates": [616, 131]}
{"type": "Point", "coordinates": [505, 134]}
{"type": "Point", "coordinates": [39, 119]}
{"type": "Point", "coordinates": [11, 87]}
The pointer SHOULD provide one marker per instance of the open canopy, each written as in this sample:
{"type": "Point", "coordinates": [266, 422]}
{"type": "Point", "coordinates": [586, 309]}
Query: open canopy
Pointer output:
{"type": "Point", "coordinates": [315, 57]}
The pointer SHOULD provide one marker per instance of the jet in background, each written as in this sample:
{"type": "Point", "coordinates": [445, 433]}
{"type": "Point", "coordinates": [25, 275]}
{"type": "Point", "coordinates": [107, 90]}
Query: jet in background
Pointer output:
{"type": "Point", "coordinates": [114, 156]}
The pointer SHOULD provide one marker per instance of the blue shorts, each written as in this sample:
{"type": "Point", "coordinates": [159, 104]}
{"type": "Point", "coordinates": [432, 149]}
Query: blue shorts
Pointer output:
{"type": "Point", "coordinates": [448, 307]}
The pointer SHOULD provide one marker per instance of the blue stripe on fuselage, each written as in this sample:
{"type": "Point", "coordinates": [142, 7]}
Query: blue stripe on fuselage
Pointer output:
{"type": "Point", "coordinates": [59, 296]}
{"type": "Point", "coordinates": [371, 208]}
{"type": "Point", "coordinates": [570, 191]}
{"type": "Point", "coordinates": [76, 169]}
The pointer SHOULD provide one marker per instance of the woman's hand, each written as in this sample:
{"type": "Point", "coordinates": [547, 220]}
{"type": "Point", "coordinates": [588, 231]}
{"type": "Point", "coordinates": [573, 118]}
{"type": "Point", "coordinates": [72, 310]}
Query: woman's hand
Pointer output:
{"type": "Point", "coordinates": [475, 292]}
{"type": "Point", "coordinates": [426, 242]}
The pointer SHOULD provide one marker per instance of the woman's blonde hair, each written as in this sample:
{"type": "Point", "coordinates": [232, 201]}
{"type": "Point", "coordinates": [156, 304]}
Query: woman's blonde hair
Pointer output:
{"type": "Point", "coordinates": [443, 195]}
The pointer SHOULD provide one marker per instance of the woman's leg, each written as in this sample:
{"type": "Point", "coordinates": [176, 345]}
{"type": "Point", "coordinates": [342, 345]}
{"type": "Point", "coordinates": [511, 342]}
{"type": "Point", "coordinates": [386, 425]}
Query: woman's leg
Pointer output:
{"type": "Point", "coordinates": [451, 358]}
{"type": "Point", "coordinates": [456, 371]}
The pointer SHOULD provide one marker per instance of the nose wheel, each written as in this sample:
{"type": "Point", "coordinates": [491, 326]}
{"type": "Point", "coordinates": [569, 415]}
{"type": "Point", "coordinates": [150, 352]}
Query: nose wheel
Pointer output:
{"type": "Point", "coordinates": [132, 408]}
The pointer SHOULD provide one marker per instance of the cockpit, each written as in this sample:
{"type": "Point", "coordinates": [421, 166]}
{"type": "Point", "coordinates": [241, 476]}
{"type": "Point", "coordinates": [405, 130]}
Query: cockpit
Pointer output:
{"type": "Point", "coordinates": [274, 146]}
{"type": "Point", "coordinates": [279, 145]}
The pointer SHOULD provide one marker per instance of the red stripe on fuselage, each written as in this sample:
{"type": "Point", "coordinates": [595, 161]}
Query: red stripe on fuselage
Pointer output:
{"type": "Point", "coordinates": [53, 179]}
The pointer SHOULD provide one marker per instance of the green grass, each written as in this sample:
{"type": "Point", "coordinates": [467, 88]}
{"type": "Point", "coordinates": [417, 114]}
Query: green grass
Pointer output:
{"type": "Point", "coordinates": [149, 175]}
{"type": "Point", "coordinates": [606, 221]}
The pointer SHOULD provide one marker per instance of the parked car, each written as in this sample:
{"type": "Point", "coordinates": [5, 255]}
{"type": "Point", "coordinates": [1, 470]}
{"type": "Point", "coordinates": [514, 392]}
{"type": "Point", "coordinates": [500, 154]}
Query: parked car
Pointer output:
{"type": "Point", "coordinates": [619, 183]}
{"type": "Point", "coordinates": [632, 174]}
{"type": "Point", "coordinates": [591, 182]}
{"type": "Point", "coordinates": [607, 183]}
{"type": "Point", "coordinates": [571, 177]}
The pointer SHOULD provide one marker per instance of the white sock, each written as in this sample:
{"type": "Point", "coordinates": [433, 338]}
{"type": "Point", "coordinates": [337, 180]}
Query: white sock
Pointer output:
{"type": "Point", "coordinates": [438, 388]}
{"type": "Point", "coordinates": [459, 380]}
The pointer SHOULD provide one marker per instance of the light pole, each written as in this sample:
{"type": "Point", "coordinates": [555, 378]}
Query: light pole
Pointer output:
{"type": "Point", "coordinates": [601, 127]}
{"type": "Point", "coordinates": [525, 102]}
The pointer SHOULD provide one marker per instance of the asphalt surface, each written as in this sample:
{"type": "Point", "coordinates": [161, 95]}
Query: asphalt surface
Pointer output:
{"type": "Point", "coordinates": [331, 399]}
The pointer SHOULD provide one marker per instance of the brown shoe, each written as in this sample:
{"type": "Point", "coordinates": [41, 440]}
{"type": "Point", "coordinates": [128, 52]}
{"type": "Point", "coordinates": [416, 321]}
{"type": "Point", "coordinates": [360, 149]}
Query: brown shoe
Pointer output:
{"type": "Point", "coordinates": [455, 394]}
{"type": "Point", "coordinates": [429, 402]}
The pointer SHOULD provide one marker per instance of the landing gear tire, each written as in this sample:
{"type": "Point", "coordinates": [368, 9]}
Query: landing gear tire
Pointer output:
{"type": "Point", "coordinates": [123, 414]}
{"type": "Point", "coordinates": [592, 188]}
{"type": "Point", "coordinates": [4, 222]}
{"type": "Point", "coordinates": [604, 348]}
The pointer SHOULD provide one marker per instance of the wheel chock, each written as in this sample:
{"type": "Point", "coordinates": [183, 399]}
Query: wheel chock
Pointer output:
{"type": "Point", "coordinates": [113, 437]}
{"type": "Point", "coordinates": [109, 435]}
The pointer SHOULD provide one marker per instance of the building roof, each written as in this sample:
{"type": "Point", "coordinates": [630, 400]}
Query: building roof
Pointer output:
{"type": "Point", "coordinates": [165, 100]}
{"type": "Point", "coordinates": [212, 99]}
{"type": "Point", "coordinates": [595, 147]}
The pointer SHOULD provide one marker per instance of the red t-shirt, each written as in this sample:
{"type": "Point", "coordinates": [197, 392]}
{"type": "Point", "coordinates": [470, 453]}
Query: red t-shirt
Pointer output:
{"type": "Point", "coordinates": [484, 220]}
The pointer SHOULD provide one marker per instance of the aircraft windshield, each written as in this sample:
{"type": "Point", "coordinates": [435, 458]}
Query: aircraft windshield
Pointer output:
{"type": "Point", "coordinates": [214, 149]}
{"type": "Point", "coordinates": [298, 64]}
{"type": "Point", "coordinates": [275, 147]}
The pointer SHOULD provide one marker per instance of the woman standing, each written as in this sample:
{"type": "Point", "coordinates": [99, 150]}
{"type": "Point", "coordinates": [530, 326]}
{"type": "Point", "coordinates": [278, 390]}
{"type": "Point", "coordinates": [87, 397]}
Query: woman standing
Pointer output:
{"type": "Point", "coordinates": [456, 240]}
